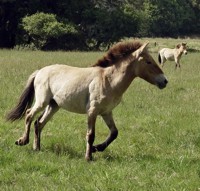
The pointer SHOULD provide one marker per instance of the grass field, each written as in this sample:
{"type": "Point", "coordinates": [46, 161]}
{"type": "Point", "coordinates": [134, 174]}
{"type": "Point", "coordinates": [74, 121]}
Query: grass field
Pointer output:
{"type": "Point", "coordinates": [158, 147]}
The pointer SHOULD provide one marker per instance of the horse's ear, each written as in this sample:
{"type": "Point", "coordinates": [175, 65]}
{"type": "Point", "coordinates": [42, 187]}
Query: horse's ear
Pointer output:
{"type": "Point", "coordinates": [178, 46]}
{"type": "Point", "coordinates": [140, 50]}
{"type": "Point", "coordinates": [184, 43]}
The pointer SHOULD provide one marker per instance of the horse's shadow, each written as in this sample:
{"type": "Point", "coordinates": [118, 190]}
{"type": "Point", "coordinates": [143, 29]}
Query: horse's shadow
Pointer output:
{"type": "Point", "coordinates": [71, 152]}
{"type": "Point", "coordinates": [61, 149]}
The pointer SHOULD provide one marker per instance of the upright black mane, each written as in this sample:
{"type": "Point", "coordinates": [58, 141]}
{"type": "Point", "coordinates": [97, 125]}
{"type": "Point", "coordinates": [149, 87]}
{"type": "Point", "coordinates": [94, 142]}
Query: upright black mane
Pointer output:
{"type": "Point", "coordinates": [118, 51]}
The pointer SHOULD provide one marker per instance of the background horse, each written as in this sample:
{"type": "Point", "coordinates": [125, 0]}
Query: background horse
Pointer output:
{"type": "Point", "coordinates": [94, 91]}
{"type": "Point", "coordinates": [172, 54]}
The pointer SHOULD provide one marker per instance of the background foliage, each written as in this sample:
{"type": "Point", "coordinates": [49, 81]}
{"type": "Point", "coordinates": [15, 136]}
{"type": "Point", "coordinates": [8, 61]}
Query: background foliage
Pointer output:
{"type": "Point", "coordinates": [42, 27]}
{"type": "Point", "coordinates": [91, 24]}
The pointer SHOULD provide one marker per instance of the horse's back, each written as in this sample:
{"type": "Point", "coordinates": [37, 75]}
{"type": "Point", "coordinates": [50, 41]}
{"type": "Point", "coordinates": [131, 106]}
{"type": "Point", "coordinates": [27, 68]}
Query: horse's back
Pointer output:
{"type": "Point", "coordinates": [167, 53]}
{"type": "Point", "coordinates": [61, 74]}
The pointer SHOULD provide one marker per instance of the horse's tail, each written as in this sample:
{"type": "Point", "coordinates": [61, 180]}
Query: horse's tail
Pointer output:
{"type": "Point", "coordinates": [159, 58]}
{"type": "Point", "coordinates": [25, 100]}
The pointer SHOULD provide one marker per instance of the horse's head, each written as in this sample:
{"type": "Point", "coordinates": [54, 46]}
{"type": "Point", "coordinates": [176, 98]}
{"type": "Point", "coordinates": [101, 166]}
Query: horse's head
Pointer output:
{"type": "Point", "coordinates": [182, 47]}
{"type": "Point", "coordinates": [147, 69]}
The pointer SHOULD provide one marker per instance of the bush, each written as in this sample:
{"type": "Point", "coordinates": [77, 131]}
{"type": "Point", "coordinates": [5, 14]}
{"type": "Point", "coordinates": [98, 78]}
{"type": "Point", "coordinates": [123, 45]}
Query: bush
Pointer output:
{"type": "Point", "coordinates": [41, 27]}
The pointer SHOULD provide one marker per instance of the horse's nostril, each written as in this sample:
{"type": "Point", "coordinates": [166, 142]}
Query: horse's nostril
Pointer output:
{"type": "Point", "coordinates": [166, 81]}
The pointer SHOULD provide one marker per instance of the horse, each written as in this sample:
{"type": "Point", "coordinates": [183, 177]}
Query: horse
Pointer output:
{"type": "Point", "coordinates": [95, 91]}
{"type": "Point", "coordinates": [172, 54]}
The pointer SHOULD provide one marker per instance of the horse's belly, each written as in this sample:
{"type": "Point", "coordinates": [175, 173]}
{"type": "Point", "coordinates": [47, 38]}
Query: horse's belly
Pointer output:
{"type": "Point", "coordinates": [73, 103]}
{"type": "Point", "coordinates": [169, 55]}
{"type": "Point", "coordinates": [170, 58]}
{"type": "Point", "coordinates": [75, 108]}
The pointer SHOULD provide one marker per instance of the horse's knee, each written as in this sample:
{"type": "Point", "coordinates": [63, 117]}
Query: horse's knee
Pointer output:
{"type": "Point", "coordinates": [28, 111]}
{"type": "Point", "coordinates": [29, 116]}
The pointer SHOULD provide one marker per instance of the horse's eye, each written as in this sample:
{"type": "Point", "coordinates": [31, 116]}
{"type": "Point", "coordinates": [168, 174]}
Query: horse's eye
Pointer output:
{"type": "Point", "coordinates": [148, 62]}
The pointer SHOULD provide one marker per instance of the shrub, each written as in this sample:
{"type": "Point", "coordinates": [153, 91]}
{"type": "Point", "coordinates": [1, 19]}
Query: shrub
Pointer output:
{"type": "Point", "coordinates": [41, 27]}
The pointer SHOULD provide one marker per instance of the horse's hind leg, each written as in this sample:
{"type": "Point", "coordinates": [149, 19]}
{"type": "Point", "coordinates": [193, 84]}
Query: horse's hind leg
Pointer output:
{"type": "Point", "coordinates": [163, 60]}
{"type": "Point", "coordinates": [25, 138]}
{"type": "Point", "coordinates": [50, 110]}
{"type": "Point", "coordinates": [113, 133]}
{"type": "Point", "coordinates": [30, 113]}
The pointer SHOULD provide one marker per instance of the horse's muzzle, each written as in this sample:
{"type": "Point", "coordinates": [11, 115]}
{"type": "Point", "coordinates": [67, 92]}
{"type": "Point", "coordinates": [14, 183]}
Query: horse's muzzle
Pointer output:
{"type": "Point", "coordinates": [163, 84]}
{"type": "Point", "coordinates": [161, 81]}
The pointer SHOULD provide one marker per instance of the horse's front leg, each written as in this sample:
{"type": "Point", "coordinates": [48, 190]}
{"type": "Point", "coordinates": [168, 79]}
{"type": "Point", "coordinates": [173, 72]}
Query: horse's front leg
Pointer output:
{"type": "Point", "coordinates": [177, 61]}
{"type": "Point", "coordinates": [90, 136]}
{"type": "Point", "coordinates": [176, 66]}
{"type": "Point", "coordinates": [113, 133]}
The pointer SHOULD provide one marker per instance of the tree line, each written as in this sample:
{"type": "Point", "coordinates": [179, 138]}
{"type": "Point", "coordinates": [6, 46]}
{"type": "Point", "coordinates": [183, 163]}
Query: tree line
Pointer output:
{"type": "Point", "coordinates": [92, 24]}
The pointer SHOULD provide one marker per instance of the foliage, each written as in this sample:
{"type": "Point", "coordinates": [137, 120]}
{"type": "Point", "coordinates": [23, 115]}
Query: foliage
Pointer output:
{"type": "Point", "coordinates": [108, 27]}
{"type": "Point", "coordinates": [97, 23]}
{"type": "Point", "coordinates": [42, 26]}
{"type": "Point", "coordinates": [166, 18]}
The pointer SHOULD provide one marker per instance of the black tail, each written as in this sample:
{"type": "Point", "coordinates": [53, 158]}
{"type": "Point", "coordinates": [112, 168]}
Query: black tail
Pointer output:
{"type": "Point", "coordinates": [25, 100]}
{"type": "Point", "coordinates": [159, 58]}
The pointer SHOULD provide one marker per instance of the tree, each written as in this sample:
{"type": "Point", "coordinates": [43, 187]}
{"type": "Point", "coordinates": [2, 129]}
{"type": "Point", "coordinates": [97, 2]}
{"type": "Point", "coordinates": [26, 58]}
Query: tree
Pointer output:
{"type": "Point", "coordinates": [105, 26]}
{"type": "Point", "coordinates": [166, 18]}
{"type": "Point", "coordinates": [7, 24]}
{"type": "Point", "coordinates": [95, 23]}
{"type": "Point", "coordinates": [195, 21]}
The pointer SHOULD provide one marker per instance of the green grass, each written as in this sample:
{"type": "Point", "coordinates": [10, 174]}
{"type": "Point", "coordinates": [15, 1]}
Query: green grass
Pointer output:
{"type": "Point", "coordinates": [158, 147]}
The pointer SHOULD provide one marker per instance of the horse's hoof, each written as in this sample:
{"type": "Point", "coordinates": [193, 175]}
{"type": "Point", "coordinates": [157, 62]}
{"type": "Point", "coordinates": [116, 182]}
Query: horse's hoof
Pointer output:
{"type": "Point", "coordinates": [94, 149]}
{"type": "Point", "coordinates": [98, 148]}
{"type": "Point", "coordinates": [88, 158]}
{"type": "Point", "coordinates": [17, 142]}
{"type": "Point", "coordinates": [36, 148]}
{"type": "Point", "coordinates": [21, 142]}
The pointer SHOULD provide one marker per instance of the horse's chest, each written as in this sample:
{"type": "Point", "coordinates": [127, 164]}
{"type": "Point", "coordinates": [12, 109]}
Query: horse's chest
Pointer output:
{"type": "Point", "coordinates": [109, 106]}
{"type": "Point", "coordinates": [102, 97]}
{"type": "Point", "coordinates": [106, 103]}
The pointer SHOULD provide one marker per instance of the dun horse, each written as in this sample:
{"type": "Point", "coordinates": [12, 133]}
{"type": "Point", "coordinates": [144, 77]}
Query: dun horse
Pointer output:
{"type": "Point", "coordinates": [172, 54]}
{"type": "Point", "coordinates": [94, 91]}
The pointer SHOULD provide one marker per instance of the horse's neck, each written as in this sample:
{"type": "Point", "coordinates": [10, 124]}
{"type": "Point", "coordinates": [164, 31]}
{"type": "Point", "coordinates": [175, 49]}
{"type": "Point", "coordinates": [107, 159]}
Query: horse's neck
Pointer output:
{"type": "Point", "coordinates": [120, 77]}
{"type": "Point", "coordinates": [179, 51]}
